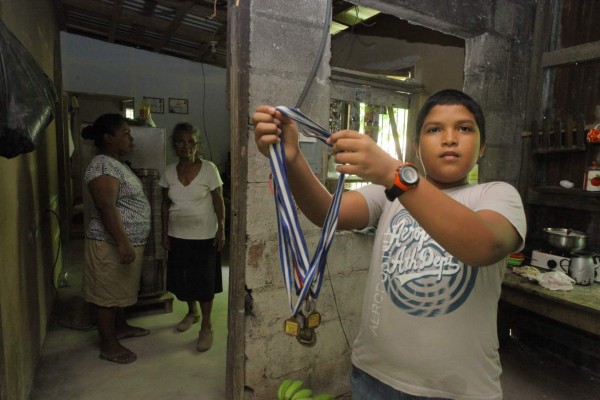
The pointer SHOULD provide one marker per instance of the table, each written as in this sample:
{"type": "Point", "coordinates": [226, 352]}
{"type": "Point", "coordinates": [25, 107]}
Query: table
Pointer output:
{"type": "Point", "coordinates": [579, 308]}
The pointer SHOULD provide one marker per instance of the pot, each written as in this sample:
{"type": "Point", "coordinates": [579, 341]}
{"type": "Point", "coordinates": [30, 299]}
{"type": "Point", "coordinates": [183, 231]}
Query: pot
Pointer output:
{"type": "Point", "coordinates": [565, 239]}
{"type": "Point", "coordinates": [582, 267]}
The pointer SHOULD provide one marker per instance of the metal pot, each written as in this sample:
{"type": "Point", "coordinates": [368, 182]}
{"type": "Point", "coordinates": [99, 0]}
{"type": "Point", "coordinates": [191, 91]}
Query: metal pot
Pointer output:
{"type": "Point", "coordinates": [565, 239]}
{"type": "Point", "coordinates": [582, 267]}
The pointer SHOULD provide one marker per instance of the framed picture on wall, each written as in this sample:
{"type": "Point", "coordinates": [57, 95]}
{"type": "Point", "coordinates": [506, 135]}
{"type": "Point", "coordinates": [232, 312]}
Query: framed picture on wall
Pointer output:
{"type": "Point", "coordinates": [157, 106]}
{"type": "Point", "coordinates": [178, 106]}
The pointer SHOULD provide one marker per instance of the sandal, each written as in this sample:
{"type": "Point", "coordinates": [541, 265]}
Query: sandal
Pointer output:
{"type": "Point", "coordinates": [187, 322]}
{"type": "Point", "coordinates": [120, 358]}
{"type": "Point", "coordinates": [205, 339]}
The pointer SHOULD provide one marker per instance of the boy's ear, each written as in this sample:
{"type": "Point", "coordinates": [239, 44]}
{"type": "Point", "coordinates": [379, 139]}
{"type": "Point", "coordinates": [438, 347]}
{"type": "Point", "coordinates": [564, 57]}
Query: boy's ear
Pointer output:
{"type": "Point", "coordinates": [482, 150]}
{"type": "Point", "coordinates": [416, 147]}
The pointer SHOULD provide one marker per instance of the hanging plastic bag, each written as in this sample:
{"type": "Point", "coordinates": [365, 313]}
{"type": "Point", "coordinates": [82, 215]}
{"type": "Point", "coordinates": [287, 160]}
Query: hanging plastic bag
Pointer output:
{"type": "Point", "coordinates": [27, 97]}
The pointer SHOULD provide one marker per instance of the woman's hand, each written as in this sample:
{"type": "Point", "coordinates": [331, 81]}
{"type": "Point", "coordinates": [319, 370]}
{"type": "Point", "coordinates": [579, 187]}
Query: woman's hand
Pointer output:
{"type": "Point", "coordinates": [358, 154]}
{"type": "Point", "coordinates": [219, 238]}
{"type": "Point", "coordinates": [126, 252]}
{"type": "Point", "coordinates": [270, 126]}
{"type": "Point", "coordinates": [166, 243]}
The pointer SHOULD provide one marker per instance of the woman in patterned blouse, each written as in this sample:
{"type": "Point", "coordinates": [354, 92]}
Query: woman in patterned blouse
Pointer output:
{"type": "Point", "coordinates": [115, 237]}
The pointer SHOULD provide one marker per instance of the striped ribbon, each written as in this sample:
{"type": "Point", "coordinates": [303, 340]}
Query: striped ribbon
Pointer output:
{"type": "Point", "coordinates": [306, 276]}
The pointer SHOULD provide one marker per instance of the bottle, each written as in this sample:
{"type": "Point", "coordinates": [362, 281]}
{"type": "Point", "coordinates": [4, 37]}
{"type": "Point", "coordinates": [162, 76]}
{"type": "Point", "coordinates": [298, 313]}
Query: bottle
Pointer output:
{"type": "Point", "coordinates": [591, 178]}
{"type": "Point", "coordinates": [145, 114]}
{"type": "Point", "coordinates": [144, 109]}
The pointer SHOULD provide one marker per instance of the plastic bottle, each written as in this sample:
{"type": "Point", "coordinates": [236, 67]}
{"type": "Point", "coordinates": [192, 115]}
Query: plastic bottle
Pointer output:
{"type": "Point", "coordinates": [144, 109]}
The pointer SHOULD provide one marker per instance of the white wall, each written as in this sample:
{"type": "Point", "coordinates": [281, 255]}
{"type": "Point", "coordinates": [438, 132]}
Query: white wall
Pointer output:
{"type": "Point", "coordinates": [437, 67]}
{"type": "Point", "coordinates": [97, 67]}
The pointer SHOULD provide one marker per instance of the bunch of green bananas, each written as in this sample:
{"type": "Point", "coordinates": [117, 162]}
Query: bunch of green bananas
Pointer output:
{"type": "Point", "coordinates": [292, 390]}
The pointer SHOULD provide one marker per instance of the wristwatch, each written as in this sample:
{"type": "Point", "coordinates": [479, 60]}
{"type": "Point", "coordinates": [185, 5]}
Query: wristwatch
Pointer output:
{"type": "Point", "coordinates": [406, 178]}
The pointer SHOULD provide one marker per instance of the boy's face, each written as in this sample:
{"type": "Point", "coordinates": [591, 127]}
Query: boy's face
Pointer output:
{"type": "Point", "coordinates": [449, 145]}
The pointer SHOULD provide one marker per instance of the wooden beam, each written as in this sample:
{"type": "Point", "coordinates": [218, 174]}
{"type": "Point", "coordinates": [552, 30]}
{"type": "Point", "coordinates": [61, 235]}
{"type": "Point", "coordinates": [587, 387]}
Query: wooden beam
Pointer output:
{"type": "Point", "coordinates": [59, 11]}
{"type": "Point", "coordinates": [239, 102]}
{"type": "Point", "coordinates": [571, 55]}
{"type": "Point", "coordinates": [182, 10]}
{"type": "Point", "coordinates": [116, 15]}
{"type": "Point", "coordinates": [149, 22]}
{"type": "Point", "coordinates": [149, 7]}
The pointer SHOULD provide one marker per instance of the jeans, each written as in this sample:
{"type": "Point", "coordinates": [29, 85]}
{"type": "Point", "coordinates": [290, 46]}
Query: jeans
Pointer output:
{"type": "Point", "coordinates": [366, 387]}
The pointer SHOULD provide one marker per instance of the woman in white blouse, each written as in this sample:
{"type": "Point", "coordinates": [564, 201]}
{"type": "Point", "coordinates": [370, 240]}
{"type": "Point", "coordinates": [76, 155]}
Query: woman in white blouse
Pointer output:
{"type": "Point", "coordinates": [193, 220]}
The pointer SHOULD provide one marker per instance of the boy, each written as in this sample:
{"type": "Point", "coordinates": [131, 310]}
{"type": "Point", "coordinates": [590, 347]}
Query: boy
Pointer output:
{"type": "Point", "coordinates": [428, 326]}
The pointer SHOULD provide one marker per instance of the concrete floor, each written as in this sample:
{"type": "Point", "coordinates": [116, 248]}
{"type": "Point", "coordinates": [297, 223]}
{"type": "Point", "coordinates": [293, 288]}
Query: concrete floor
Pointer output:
{"type": "Point", "coordinates": [169, 367]}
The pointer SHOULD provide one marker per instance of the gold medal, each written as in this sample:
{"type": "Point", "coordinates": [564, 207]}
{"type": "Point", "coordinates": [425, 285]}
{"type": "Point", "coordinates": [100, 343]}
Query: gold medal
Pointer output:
{"type": "Point", "coordinates": [313, 320]}
{"type": "Point", "coordinates": [291, 327]}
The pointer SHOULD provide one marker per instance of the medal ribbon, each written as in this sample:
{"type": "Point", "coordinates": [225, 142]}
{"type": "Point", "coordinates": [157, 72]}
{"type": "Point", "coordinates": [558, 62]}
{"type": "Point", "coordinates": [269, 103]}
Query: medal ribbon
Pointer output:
{"type": "Point", "coordinates": [305, 275]}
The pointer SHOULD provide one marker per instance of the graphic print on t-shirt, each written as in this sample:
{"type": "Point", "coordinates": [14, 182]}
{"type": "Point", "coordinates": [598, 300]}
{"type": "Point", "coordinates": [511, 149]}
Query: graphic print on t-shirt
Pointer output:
{"type": "Point", "coordinates": [418, 274]}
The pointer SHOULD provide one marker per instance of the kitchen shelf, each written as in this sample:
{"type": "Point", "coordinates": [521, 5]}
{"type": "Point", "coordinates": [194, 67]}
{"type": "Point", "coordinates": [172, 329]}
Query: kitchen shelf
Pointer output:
{"type": "Point", "coordinates": [573, 149]}
{"type": "Point", "coordinates": [554, 196]}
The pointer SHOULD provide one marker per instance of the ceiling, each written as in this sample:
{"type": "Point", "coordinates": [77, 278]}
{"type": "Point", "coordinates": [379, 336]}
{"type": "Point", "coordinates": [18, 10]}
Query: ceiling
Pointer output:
{"type": "Point", "coordinates": [197, 29]}
{"type": "Point", "coordinates": [192, 29]}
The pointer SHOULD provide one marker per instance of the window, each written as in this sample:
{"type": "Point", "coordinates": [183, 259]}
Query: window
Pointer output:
{"type": "Point", "coordinates": [374, 121]}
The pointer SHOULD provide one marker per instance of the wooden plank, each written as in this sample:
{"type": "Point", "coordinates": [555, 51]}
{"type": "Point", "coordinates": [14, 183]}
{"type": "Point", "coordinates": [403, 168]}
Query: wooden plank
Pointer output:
{"type": "Point", "coordinates": [557, 141]}
{"type": "Point", "coordinates": [238, 84]}
{"type": "Point", "coordinates": [569, 128]}
{"type": "Point", "coordinates": [546, 143]}
{"type": "Point", "coordinates": [580, 130]}
{"type": "Point", "coordinates": [558, 197]}
{"type": "Point", "coordinates": [571, 55]}
{"type": "Point", "coordinates": [115, 17]}
{"type": "Point", "coordinates": [535, 136]}
{"type": "Point", "coordinates": [182, 10]}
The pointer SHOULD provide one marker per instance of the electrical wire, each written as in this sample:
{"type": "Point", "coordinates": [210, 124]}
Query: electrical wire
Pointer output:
{"type": "Point", "coordinates": [319, 57]}
{"type": "Point", "coordinates": [301, 99]}
{"type": "Point", "coordinates": [204, 112]}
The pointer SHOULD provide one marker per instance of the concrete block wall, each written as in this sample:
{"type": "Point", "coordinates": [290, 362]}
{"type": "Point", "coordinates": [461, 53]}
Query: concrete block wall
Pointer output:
{"type": "Point", "coordinates": [284, 39]}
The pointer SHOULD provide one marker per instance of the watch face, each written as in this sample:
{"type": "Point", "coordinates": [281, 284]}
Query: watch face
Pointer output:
{"type": "Point", "coordinates": [409, 175]}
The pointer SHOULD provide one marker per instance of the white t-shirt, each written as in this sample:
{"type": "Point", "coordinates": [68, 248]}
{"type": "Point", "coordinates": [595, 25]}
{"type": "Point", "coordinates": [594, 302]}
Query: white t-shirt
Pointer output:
{"type": "Point", "coordinates": [429, 321]}
{"type": "Point", "coordinates": [192, 214]}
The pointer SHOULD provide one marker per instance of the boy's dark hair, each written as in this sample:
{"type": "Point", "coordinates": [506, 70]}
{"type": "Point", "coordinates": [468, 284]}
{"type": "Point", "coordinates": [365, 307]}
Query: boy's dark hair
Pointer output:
{"type": "Point", "coordinates": [451, 97]}
{"type": "Point", "coordinates": [106, 123]}
{"type": "Point", "coordinates": [185, 127]}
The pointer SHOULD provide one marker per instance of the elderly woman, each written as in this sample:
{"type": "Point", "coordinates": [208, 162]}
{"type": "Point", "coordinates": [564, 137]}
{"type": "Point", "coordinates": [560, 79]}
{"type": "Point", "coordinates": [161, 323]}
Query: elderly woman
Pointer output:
{"type": "Point", "coordinates": [115, 237]}
{"type": "Point", "coordinates": [193, 218]}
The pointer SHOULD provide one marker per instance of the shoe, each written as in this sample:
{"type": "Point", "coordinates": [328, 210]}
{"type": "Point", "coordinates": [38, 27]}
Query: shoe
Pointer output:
{"type": "Point", "coordinates": [187, 322]}
{"type": "Point", "coordinates": [121, 358]}
{"type": "Point", "coordinates": [205, 339]}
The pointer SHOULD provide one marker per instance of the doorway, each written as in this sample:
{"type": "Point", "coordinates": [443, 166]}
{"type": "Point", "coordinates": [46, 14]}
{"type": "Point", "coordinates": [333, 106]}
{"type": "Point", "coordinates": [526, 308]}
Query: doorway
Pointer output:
{"type": "Point", "coordinates": [82, 110]}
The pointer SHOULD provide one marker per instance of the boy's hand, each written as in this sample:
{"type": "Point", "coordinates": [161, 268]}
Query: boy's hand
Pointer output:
{"type": "Point", "coordinates": [270, 126]}
{"type": "Point", "coordinates": [358, 154]}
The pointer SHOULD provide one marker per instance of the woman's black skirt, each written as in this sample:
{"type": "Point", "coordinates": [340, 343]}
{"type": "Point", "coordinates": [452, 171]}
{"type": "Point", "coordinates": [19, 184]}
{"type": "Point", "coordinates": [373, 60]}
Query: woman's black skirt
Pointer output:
{"type": "Point", "coordinates": [194, 269]}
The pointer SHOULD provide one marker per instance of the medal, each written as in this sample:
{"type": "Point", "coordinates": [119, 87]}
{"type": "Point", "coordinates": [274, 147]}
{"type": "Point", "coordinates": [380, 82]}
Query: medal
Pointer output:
{"type": "Point", "coordinates": [300, 272]}
{"type": "Point", "coordinates": [313, 317]}
{"type": "Point", "coordinates": [307, 337]}
{"type": "Point", "coordinates": [291, 327]}
{"type": "Point", "coordinates": [313, 320]}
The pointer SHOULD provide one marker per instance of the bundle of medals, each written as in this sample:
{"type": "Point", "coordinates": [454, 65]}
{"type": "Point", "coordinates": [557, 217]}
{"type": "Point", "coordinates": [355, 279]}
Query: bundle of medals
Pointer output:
{"type": "Point", "coordinates": [300, 274]}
